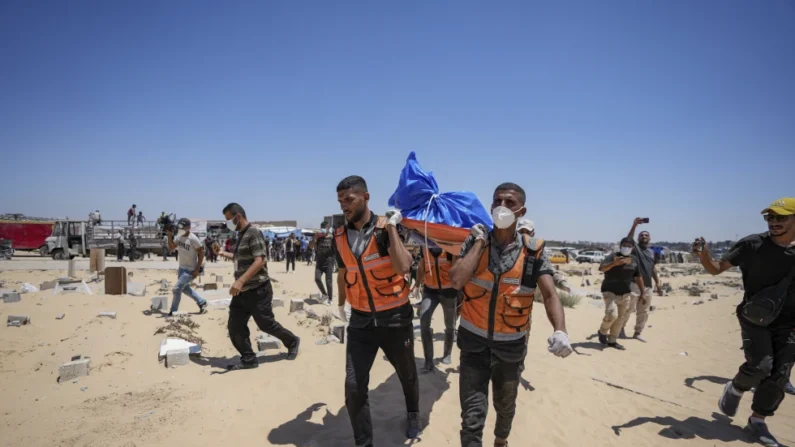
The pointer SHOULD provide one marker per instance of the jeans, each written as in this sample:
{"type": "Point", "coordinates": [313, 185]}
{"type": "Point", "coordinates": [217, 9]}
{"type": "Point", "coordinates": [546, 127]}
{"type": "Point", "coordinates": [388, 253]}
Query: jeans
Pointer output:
{"type": "Point", "coordinates": [361, 350]}
{"type": "Point", "coordinates": [769, 356]}
{"type": "Point", "coordinates": [290, 258]}
{"type": "Point", "coordinates": [257, 303]}
{"type": "Point", "coordinates": [477, 369]}
{"type": "Point", "coordinates": [165, 254]}
{"type": "Point", "coordinates": [325, 266]}
{"type": "Point", "coordinates": [430, 299]}
{"type": "Point", "coordinates": [184, 278]}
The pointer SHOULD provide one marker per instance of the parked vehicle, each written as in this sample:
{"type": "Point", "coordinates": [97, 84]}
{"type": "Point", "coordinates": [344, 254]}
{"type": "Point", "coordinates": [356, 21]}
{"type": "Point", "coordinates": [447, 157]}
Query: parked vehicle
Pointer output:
{"type": "Point", "coordinates": [26, 233]}
{"type": "Point", "coordinates": [557, 257]}
{"type": "Point", "coordinates": [592, 256]}
{"type": "Point", "coordinates": [76, 238]}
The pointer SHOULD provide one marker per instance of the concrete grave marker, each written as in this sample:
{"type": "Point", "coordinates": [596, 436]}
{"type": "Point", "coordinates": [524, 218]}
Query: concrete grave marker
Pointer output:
{"type": "Point", "coordinates": [296, 305]}
{"type": "Point", "coordinates": [265, 341]}
{"type": "Point", "coordinates": [159, 303]}
{"type": "Point", "coordinates": [73, 370]}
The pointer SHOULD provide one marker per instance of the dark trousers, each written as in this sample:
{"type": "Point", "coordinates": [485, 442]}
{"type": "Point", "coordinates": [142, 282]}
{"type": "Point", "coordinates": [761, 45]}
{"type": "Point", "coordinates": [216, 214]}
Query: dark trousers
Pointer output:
{"type": "Point", "coordinates": [430, 300]}
{"type": "Point", "coordinates": [361, 350]}
{"type": "Point", "coordinates": [257, 303]}
{"type": "Point", "coordinates": [120, 254]}
{"type": "Point", "coordinates": [769, 356]}
{"type": "Point", "coordinates": [477, 369]}
{"type": "Point", "coordinates": [325, 266]}
{"type": "Point", "coordinates": [290, 259]}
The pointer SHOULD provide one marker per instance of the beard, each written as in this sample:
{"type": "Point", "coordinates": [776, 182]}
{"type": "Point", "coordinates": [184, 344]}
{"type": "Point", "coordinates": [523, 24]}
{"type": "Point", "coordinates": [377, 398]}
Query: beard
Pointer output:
{"type": "Point", "coordinates": [357, 215]}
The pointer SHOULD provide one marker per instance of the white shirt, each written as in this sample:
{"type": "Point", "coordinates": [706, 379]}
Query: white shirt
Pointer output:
{"type": "Point", "coordinates": [188, 247]}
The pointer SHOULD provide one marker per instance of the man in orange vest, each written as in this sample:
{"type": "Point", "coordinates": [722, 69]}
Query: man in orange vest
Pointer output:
{"type": "Point", "coordinates": [498, 273]}
{"type": "Point", "coordinates": [373, 263]}
{"type": "Point", "coordinates": [433, 274]}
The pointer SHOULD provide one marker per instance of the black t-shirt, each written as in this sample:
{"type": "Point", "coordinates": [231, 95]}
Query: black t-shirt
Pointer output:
{"type": "Point", "coordinates": [764, 263]}
{"type": "Point", "coordinates": [325, 247]}
{"type": "Point", "coordinates": [618, 279]}
{"type": "Point", "coordinates": [358, 240]}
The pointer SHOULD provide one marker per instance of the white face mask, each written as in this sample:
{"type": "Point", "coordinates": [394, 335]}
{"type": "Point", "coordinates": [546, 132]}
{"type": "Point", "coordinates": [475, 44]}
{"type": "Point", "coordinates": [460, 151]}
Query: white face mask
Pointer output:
{"type": "Point", "coordinates": [183, 232]}
{"type": "Point", "coordinates": [231, 224]}
{"type": "Point", "coordinates": [626, 251]}
{"type": "Point", "coordinates": [503, 217]}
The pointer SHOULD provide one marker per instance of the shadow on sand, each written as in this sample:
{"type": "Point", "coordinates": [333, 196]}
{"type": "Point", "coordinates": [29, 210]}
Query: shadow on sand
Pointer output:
{"type": "Point", "coordinates": [388, 409]}
{"type": "Point", "coordinates": [718, 429]}
{"type": "Point", "coordinates": [712, 379]}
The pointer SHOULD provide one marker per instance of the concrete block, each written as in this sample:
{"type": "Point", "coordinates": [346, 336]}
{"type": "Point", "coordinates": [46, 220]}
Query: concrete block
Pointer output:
{"type": "Point", "coordinates": [277, 302]}
{"type": "Point", "coordinates": [136, 288]}
{"type": "Point", "coordinates": [47, 285]}
{"type": "Point", "coordinates": [107, 314]}
{"type": "Point", "coordinates": [60, 316]}
{"type": "Point", "coordinates": [18, 320]}
{"type": "Point", "coordinates": [226, 286]}
{"type": "Point", "coordinates": [338, 330]}
{"type": "Point", "coordinates": [11, 297]}
{"type": "Point", "coordinates": [159, 303]}
{"type": "Point", "coordinates": [180, 313]}
{"type": "Point", "coordinates": [211, 286]}
{"type": "Point", "coordinates": [219, 278]}
{"type": "Point", "coordinates": [314, 296]}
{"type": "Point", "coordinates": [177, 357]}
{"type": "Point", "coordinates": [296, 305]}
{"type": "Point", "coordinates": [73, 370]}
{"type": "Point", "coordinates": [265, 341]}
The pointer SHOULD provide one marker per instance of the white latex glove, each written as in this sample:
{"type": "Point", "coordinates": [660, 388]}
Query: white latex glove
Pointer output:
{"type": "Point", "coordinates": [525, 225]}
{"type": "Point", "coordinates": [480, 231]}
{"type": "Point", "coordinates": [342, 314]}
{"type": "Point", "coordinates": [394, 217]}
{"type": "Point", "coordinates": [559, 344]}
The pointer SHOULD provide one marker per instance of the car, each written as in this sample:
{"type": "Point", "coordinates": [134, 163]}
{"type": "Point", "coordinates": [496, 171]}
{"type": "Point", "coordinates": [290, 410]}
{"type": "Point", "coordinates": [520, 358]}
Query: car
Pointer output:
{"type": "Point", "coordinates": [590, 256]}
{"type": "Point", "coordinates": [557, 257]}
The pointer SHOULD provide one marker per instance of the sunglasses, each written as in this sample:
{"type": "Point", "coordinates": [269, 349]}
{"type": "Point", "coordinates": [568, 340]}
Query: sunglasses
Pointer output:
{"type": "Point", "coordinates": [775, 218]}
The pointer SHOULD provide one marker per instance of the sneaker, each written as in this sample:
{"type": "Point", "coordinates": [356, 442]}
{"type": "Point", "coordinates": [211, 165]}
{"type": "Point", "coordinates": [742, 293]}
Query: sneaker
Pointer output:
{"type": "Point", "coordinates": [622, 335]}
{"type": "Point", "coordinates": [240, 366]}
{"type": "Point", "coordinates": [616, 346]}
{"type": "Point", "coordinates": [414, 429]}
{"type": "Point", "coordinates": [789, 388]}
{"type": "Point", "coordinates": [171, 313]}
{"type": "Point", "coordinates": [729, 401]}
{"type": "Point", "coordinates": [428, 367]}
{"type": "Point", "coordinates": [602, 338]}
{"type": "Point", "coordinates": [203, 308]}
{"type": "Point", "coordinates": [638, 337]}
{"type": "Point", "coordinates": [448, 360]}
{"type": "Point", "coordinates": [758, 429]}
{"type": "Point", "coordinates": [292, 353]}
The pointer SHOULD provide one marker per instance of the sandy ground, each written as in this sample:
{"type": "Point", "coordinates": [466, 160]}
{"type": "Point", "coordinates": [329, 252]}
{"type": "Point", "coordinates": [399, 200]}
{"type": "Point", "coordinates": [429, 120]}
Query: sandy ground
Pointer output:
{"type": "Point", "coordinates": [131, 399]}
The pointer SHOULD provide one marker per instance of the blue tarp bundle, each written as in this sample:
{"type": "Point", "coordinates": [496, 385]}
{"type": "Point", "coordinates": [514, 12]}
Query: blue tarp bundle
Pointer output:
{"type": "Point", "coordinates": [460, 209]}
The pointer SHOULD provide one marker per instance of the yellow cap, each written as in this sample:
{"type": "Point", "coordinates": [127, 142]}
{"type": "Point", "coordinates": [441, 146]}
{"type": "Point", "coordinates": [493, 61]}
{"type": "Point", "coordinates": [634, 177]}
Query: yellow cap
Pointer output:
{"type": "Point", "coordinates": [783, 207]}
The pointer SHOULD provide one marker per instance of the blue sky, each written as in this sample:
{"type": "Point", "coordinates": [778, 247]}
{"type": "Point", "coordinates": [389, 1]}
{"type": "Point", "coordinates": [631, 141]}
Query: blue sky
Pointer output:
{"type": "Point", "coordinates": [682, 111]}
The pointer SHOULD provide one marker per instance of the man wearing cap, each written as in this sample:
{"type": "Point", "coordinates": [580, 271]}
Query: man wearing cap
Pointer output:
{"type": "Point", "coordinates": [191, 256]}
{"type": "Point", "coordinates": [767, 261]}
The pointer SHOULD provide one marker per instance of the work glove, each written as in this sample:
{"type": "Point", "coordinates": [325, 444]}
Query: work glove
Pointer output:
{"type": "Point", "coordinates": [479, 231]}
{"type": "Point", "coordinates": [525, 225]}
{"type": "Point", "coordinates": [559, 344]}
{"type": "Point", "coordinates": [394, 217]}
{"type": "Point", "coordinates": [342, 314]}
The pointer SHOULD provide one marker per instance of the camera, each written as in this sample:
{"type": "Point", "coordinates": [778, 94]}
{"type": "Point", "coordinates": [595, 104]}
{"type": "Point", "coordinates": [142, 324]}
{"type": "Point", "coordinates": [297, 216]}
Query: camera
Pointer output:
{"type": "Point", "coordinates": [167, 222]}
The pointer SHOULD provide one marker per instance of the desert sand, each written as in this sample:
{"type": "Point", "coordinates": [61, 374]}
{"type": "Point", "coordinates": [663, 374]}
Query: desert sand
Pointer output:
{"type": "Point", "coordinates": [649, 395]}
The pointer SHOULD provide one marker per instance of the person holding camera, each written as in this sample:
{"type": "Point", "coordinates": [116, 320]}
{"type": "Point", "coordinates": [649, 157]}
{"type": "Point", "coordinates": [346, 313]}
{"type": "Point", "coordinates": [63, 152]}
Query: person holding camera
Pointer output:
{"type": "Point", "coordinates": [191, 256]}
{"type": "Point", "coordinates": [641, 298]}
{"type": "Point", "coordinates": [766, 314]}
{"type": "Point", "coordinates": [621, 271]}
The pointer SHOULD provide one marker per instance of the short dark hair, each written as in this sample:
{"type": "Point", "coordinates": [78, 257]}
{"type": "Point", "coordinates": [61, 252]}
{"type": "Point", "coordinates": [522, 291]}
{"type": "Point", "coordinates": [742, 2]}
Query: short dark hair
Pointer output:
{"type": "Point", "coordinates": [234, 208]}
{"type": "Point", "coordinates": [508, 186]}
{"type": "Point", "coordinates": [352, 182]}
{"type": "Point", "coordinates": [627, 240]}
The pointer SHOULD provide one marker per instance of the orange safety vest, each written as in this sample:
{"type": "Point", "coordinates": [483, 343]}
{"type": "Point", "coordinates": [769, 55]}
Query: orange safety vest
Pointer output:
{"type": "Point", "coordinates": [498, 307]}
{"type": "Point", "coordinates": [437, 270]}
{"type": "Point", "coordinates": [371, 281]}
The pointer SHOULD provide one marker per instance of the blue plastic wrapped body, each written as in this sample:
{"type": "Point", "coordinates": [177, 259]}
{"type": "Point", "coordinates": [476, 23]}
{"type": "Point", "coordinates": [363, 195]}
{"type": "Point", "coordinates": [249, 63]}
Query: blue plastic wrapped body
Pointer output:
{"type": "Point", "coordinates": [438, 216]}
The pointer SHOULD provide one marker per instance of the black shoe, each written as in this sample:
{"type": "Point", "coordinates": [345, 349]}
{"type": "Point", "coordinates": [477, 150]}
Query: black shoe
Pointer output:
{"type": "Point", "coordinates": [428, 366]}
{"type": "Point", "coordinates": [292, 353]}
{"type": "Point", "coordinates": [602, 338]}
{"type": "Point", "coordinates": [171, 313]}
{"type": "Point", "coordinates": [202, 308]}
{"type": "Point", "coordinates": [415, 428]}
{"type": "Point", "coordinates": [760, 432]}
{"type": "Point", "coordinates": [729, 401]}
{"type": "Point", "coordinates": [240, 366]}
{"type": "Point", "coordinates": [622, 335]}
{"type": "Point", "coordinates": [616, 346]}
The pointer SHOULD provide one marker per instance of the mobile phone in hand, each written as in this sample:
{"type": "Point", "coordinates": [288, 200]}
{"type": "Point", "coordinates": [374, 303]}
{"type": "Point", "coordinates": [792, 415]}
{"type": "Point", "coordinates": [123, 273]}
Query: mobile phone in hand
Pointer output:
{"type": "Point", "coordinates": [645, 220]}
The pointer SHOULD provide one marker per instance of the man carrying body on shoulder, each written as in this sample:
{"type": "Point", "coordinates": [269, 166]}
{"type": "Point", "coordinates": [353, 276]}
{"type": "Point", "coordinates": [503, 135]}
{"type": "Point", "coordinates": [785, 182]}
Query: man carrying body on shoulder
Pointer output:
{"type": "Point", "coordinates": [373, 263]}
{"type": "Point", "coordinates": [766, 261]}
{"type": "Point", "coordinates": [498, 273]}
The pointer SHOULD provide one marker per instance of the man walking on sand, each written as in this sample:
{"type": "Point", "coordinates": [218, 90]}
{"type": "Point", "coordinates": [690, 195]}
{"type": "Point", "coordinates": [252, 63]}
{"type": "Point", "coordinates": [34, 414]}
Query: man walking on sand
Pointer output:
{"type": "Point", "coordinates": [621, 271]}
{"type": "Point", "coordinates": [252, 293]}
{"type": "Point", "coordinates": [433, 276]}
{"type": "Point", "coordinates": [498, 273]}
{"type": "Point", "coordinates": [191, 258]}
{"type": "Point", "coordinates": [641, 298]}
{"type": "Point", "coordinates": [766, 314]}
{"type": "Point", "coordinates": [373, 263]}
{"type": "Point", "coordinates": [324, 261]}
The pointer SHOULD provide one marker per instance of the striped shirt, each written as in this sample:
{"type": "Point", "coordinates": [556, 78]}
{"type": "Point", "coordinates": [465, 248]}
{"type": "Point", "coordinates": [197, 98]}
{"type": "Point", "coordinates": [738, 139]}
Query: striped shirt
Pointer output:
{"type": "Point", "coordinates": [251, 245]}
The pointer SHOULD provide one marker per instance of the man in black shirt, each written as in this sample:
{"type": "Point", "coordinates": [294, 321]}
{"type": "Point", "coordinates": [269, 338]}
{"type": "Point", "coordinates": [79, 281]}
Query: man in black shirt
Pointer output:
{"type": "Point", "coordinates": [621, 271]}
{"type": "Point", "coordinates": [291, 250]}
{"type": "Point", "coordinates": [765, 260]}
{"type": "Point", "coordinates": [324, 261]}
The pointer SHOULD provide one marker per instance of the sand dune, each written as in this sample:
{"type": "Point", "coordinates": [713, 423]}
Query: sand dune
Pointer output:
{"type": "Point", "coordinates": [648, 395]}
